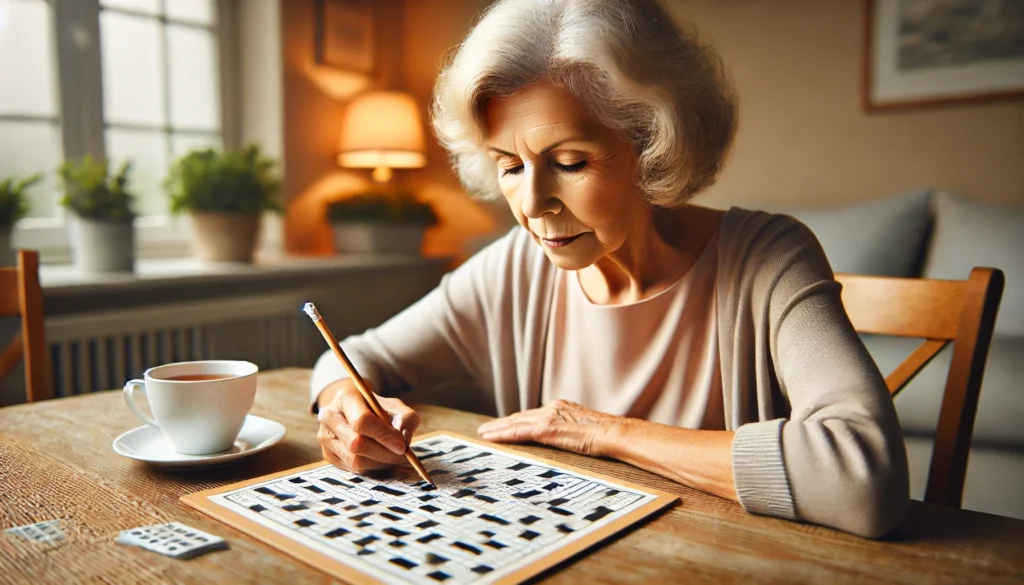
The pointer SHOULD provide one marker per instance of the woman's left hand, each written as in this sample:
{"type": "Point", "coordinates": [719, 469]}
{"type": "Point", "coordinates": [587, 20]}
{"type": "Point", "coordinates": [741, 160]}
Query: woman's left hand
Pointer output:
{"type": "Point", "coordinates": [561, 424]}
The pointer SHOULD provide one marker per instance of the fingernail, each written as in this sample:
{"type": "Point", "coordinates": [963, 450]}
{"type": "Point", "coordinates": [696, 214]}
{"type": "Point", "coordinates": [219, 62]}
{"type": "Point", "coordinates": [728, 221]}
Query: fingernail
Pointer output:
{"type": "Point", "coordinates": [397, 422]}
{"type": "Point", "coordinates": [397, 446]}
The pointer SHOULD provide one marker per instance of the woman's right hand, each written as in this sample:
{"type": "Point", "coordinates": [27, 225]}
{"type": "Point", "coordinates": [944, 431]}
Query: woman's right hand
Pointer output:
{"type": "Point", "coordinates": [353, 438]}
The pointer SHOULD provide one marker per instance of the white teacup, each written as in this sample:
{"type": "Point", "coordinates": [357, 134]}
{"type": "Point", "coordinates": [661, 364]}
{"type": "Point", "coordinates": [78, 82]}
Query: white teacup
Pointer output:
{"type": "Point", "coordinates": [199, 406]}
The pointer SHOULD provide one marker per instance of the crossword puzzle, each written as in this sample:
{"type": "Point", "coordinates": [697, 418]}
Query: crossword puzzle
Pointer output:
{"type": "Point", "coordinates": [492, 513]}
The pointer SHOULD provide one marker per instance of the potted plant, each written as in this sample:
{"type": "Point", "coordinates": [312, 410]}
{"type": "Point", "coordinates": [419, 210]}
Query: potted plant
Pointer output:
{"type": "Point", "coordinates": [225, 194]}
{"type": "Point", "coordinates": [101, 215]}
{"type": "Point", "coordinates": [380, 222]}
{"type": "Point", "coordinates": [13, 207]}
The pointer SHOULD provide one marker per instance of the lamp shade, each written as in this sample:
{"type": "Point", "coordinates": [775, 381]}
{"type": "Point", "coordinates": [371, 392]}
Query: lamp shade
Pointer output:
{"type": "Point", "coordinates": [382, 129]}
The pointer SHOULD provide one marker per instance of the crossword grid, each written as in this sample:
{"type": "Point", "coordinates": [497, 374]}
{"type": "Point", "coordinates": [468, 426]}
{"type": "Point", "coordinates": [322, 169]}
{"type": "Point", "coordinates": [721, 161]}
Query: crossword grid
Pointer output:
{"type": "Point", "coordinates": [492, 513]}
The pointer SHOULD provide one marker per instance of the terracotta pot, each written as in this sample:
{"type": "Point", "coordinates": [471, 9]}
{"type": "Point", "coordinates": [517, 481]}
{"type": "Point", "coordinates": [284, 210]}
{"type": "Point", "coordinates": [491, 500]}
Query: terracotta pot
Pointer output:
{"type": "Point", "coordinates": [102, 246]}
{"type": "Point", "coordinates": [225, 237]}
{"type": "Point", "coordinates": [377, 238]}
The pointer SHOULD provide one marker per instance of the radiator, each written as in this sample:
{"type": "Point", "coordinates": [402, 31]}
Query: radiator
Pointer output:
{"type": "Point", "coordinates": [101, 351]}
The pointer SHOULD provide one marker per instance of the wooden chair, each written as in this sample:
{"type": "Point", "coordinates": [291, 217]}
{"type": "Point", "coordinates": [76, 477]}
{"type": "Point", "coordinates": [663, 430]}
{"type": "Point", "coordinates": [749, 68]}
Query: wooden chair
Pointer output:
{"type": "Point", "coordinates": [20, 294]}
{"type": "Point", "coordinates": [940, 312]}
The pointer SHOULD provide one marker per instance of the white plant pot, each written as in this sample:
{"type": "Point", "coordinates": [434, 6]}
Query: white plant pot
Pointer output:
{"type": "Point", "coordinates": [102, 246]}
{"type": "Point", "coordinates": [377, 238]}
{"type": "Point", "coordinates": [7, 255]}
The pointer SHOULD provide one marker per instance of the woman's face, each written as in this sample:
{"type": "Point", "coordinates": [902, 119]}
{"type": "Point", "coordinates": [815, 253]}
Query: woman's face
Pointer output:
{"type": "Point", "coordinates": [568, 180]}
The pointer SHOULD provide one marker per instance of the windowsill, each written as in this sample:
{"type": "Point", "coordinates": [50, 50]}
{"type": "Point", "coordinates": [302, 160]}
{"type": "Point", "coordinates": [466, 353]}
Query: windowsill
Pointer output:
{"type": "Point", "coordinates": [63, 280]}
{"type": "Point", "coordinates": [156, 237]}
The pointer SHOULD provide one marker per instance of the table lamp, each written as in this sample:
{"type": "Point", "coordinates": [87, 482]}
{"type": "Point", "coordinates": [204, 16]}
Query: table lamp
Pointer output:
{"type": "Point", "coordinates": [382, 131]}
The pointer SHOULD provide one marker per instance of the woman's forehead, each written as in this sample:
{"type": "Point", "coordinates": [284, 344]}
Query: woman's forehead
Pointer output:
{"type": "Point", "coordinates": [537, 109]}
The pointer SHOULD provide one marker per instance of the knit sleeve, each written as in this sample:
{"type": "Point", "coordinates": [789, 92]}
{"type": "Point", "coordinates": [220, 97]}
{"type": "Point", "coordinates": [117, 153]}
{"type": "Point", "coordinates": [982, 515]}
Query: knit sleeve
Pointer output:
{"type": "Point", "coordinates": [440, 339]}
{"type": "Point", "coordinates": [840, 453]}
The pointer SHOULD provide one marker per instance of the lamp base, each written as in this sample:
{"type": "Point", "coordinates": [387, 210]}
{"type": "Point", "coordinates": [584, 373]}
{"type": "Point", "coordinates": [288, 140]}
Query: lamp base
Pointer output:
{"type": "Point", "coordinates": [382, 174]}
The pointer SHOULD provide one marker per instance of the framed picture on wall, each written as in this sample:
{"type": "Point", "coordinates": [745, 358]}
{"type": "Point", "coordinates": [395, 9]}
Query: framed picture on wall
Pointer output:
{"type": "Point", "coordinates": [925, 52]}
{"type": "Point", "coordinates": [344, 34]}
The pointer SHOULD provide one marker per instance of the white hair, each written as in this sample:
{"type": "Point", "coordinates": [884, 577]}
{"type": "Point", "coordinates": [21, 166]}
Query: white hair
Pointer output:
{"type": "Point", "coordinates": [625, 60]}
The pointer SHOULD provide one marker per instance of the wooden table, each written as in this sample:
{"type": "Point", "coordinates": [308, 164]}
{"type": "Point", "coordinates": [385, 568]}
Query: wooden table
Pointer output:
{"type": "Point", "coordinates": [56, 462]}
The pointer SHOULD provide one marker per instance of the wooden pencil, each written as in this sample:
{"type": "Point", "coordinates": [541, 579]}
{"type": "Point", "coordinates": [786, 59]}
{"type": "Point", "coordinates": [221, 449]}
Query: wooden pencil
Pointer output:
{"type": "Point", "coordinates": [364, 390]}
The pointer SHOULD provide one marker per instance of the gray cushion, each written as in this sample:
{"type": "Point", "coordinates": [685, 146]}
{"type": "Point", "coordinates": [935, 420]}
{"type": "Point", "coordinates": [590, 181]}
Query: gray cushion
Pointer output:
{"type": "Point", "coordinates": [1000, 407]}
{"type": "Point", "coordinates": [969, 234]}
{"type": "Point", "coordinates": [884, 237]}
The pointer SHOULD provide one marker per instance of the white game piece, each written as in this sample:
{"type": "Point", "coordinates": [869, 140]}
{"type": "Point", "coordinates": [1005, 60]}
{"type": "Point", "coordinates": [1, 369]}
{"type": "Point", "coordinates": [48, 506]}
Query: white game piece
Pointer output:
{"type": "Point", "coordinates": [42, 532]}
{"type": "Point", "coordinates": [173, 539]}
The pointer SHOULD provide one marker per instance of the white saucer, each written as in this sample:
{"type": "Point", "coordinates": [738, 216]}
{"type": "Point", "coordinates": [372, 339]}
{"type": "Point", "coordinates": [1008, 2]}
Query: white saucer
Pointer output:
{"type": "Point", "coordinates": [148, 444]}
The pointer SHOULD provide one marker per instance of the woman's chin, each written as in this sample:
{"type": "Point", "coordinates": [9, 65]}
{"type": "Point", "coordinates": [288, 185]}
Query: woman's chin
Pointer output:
{"type": "Point", "coordinates": [566, 260]}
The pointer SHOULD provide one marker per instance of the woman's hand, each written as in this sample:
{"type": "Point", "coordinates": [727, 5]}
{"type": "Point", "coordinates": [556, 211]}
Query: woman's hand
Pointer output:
{"type": "Point", "coordinates": [561, 424]}
{"type": "Point", "coordinates": [699, 459]}
{"type": "Point", "coordinates": [353, 438]}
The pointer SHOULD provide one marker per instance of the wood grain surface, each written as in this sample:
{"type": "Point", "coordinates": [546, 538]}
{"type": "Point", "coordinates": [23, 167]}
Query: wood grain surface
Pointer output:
{"type": "Point", "coordinates": [56, 462]}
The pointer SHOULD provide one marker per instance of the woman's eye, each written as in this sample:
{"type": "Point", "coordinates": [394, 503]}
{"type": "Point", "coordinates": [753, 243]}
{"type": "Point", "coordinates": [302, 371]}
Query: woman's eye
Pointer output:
{"type": "Point", "coordinates": [512, 171]}
{"type": "Point", "coordinates": [573, 168]}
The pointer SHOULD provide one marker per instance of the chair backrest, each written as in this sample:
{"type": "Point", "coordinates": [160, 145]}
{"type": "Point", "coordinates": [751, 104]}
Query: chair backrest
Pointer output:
{"type": "Point", "coordinates": [939, 311]}
{"type": "Point", "coordinates": [21, 295]}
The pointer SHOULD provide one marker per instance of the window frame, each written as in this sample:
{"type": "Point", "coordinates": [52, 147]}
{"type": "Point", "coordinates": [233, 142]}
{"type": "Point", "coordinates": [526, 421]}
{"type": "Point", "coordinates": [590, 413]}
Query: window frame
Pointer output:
{"type": "Point", "coordinates": [80, 115]}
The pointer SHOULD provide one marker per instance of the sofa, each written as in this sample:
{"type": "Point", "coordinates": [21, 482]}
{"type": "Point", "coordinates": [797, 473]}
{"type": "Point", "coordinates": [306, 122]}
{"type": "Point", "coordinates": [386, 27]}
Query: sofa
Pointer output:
{"type": "Point", "coordinates": [935, 234]}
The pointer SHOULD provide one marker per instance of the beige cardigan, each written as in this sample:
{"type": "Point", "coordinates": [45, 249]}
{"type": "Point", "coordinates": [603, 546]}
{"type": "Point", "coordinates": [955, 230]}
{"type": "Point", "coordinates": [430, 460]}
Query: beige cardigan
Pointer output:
{"type": "Point", "coordinates": [817, 437]}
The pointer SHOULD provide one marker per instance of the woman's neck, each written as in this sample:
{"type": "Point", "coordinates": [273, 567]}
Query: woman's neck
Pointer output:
{"type": "Point", "coordinates": [661, 248]}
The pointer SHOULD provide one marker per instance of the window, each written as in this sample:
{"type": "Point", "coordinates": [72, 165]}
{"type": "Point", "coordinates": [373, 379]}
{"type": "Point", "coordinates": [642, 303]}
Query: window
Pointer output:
{"type": "Point", "coordinates": [30, 122]}
{"type": "Point", "coordinates": [160, 94]}
{"type": "Point", "coordinates": [135, 80]}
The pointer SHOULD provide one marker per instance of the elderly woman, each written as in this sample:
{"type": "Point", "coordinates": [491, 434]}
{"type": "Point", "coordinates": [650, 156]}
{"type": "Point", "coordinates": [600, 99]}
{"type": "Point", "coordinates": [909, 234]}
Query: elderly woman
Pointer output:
{"type": "Point", "coordinates": [617, 320]}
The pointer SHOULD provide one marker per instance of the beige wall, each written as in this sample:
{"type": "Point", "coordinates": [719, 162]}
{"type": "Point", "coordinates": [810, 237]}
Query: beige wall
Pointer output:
{"type": "Point", "coordinates": [411, 38]}
{"type": "Point", "coordinates": [804, 137]}
{"type": "Point", "coordinates": [430, 29]}
{"type": "Point", "coordinates": [314, 100]}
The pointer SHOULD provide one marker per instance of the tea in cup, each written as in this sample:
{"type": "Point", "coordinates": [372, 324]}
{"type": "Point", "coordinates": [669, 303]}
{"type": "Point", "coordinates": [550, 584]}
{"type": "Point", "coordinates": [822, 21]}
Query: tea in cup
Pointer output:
{"type": "Point", "coordinates": [199, 406]}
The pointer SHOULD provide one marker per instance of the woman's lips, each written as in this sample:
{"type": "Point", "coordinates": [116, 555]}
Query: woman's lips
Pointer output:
{"type": "Point", "coordinates": [559, 242]}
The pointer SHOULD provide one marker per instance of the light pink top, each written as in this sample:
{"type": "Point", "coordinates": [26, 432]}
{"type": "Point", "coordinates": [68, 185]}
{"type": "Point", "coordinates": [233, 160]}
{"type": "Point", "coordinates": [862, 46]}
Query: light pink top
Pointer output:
{"type": "Point", "coordinates": [656, 359]}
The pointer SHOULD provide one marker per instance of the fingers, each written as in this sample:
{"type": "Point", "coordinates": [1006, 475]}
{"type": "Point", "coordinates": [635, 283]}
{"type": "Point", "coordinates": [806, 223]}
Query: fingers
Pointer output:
{"type": "Point", "coordinates": [403, 418]}
{"type": "Point", "coordinates": [515, 418]}
{"type": "Point", "coordinates": [513, 433]}
{"type": "Point", "coordinates": [354, 452]}
{"type": "Point", "coordinates": [353, 438]}
{"type": "Point", "coordinates": [517, 428]}
{"type": "Point", "coordinates": [334, 453]}
{"type": "Point", "coordinates": [364, 422]}
{"type": "Point", "coordinates": [358, 445]}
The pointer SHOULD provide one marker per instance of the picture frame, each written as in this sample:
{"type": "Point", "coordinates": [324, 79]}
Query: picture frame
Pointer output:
{"type": "Point", "coordinates": [934, 52]}
{"type": "Point", "coordinates": [344, 35]}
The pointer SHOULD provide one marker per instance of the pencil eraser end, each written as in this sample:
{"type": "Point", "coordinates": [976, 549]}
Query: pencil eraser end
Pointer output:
{"type": "Point", "coordinates": [310, 310]}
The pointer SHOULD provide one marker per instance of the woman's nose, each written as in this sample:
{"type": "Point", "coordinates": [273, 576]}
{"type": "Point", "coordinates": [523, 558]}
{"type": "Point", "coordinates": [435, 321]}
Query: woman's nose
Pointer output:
{"type": "Point", "coordinates": [538, 198]}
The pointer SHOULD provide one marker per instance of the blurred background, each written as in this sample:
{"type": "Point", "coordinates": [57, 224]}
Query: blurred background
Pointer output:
{"type": "Point", "coordinates": [893, 128]}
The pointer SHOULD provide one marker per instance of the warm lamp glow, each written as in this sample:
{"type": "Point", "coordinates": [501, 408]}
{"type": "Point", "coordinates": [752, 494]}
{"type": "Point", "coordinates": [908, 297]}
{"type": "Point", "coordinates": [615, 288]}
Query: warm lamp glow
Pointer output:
{"type": "Point", "coordinates": [382, 131]}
